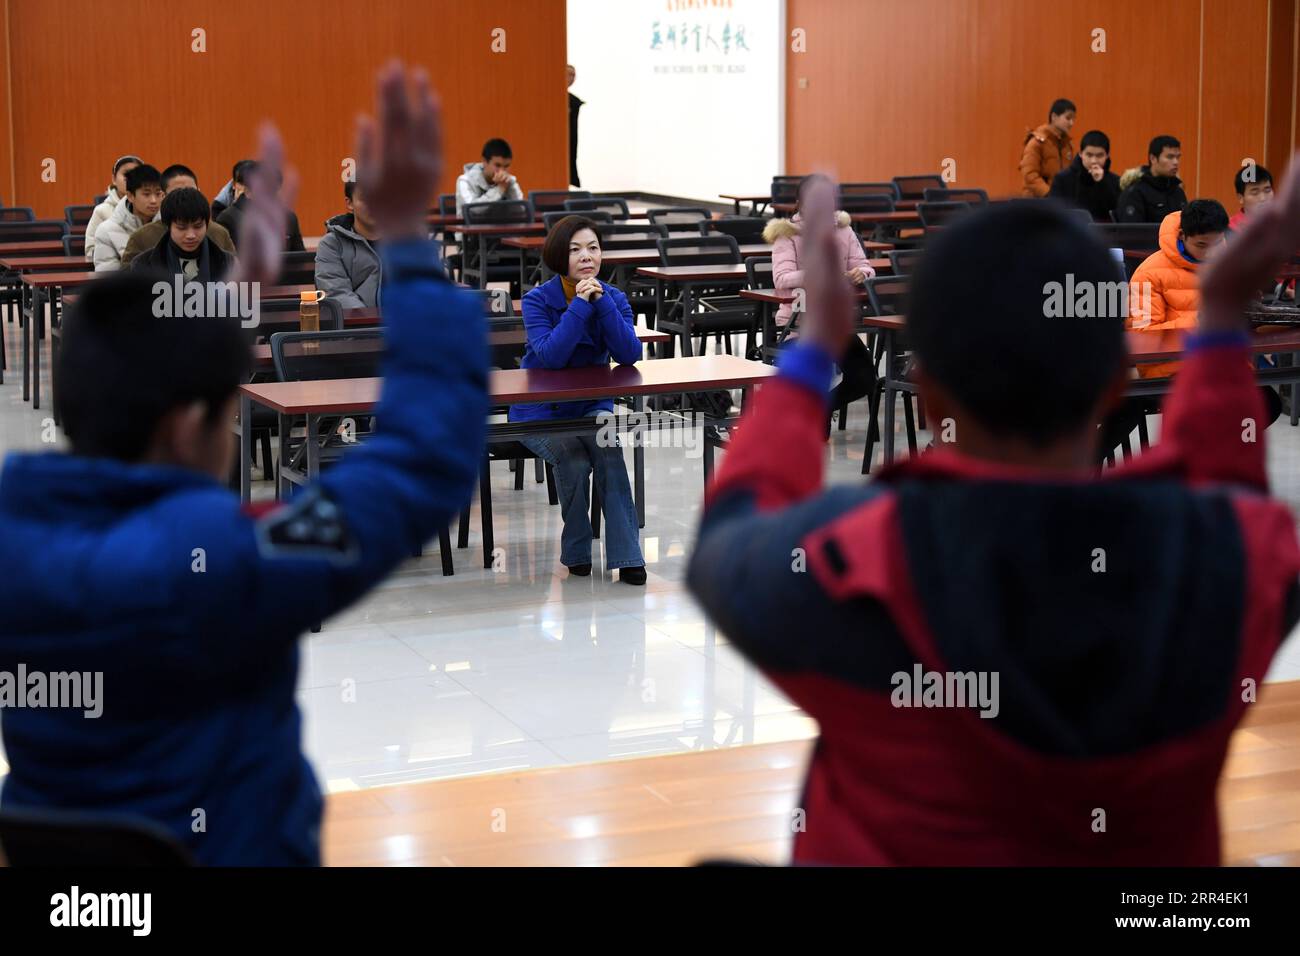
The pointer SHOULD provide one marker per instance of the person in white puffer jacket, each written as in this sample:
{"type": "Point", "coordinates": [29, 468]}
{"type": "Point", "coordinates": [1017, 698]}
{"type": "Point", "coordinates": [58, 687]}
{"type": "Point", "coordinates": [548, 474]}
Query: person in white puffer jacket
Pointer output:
{"type": "Point", "coordinates": [144, 195]}
{"type": "Point", "coordinates": [116, 190]}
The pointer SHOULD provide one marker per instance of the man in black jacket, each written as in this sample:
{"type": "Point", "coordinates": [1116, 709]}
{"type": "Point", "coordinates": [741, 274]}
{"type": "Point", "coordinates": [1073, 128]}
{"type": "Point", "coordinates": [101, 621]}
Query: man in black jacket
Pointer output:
{"type": "Point", "coordinates": [244, 175]}
{"type": "Point", "coordinates": [1088, 182]}
{"type": "Point", "coordinates": [1158, 191]}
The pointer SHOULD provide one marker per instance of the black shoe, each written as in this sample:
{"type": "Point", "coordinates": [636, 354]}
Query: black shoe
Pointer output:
{"type": "Point", "coordinates": [581, 570]}
{"type": "Point", "coordinates": [632, 575]}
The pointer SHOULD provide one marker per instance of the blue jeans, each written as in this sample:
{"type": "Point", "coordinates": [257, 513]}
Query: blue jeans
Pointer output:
{"type": "Point", "coordinates": [574, 458]}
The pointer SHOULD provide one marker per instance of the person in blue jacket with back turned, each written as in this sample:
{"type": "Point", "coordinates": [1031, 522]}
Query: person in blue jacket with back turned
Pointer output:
{"type": "Point", "coordinates": [130, 558]}
{"type": "Point", "coordinates": [575, 320]}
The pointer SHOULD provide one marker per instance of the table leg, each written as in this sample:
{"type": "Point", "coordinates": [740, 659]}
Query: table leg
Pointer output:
{"type": "Point", "coordinates": [638, 468]}
{"type": "Point", "coordinates": [482, 261]}
{"type": "Point", "coordinates": [35, 328]}
{"type": "Point", "coordinates": [890, 397]}
{"type": "Point", "coordinates": [313, 448]}
{"type": "Point", "coordinates": [665, 350]}
{"type": "Point", "coordinates": [687, 351]}
{"type": "Point", "coordinates": [245, 448]}
{"type": "Point", "coordinates": [283, 424]}
{"type": "Point", "coordinates": [25, 333]}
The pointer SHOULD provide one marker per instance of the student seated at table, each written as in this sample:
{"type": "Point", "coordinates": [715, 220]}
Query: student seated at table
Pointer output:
{"type": "Point", "coordinates": [231, 191]}
{"type": "Point", "coordinates": [147, 236]}
{"type": "Point", "coordinates": [144, 194]}
{"type": "Point", "coordinates": [247, 175]}
{"type": "Point", "coordinates": [489, 180]}
{"type": "Point", "coordinates": [1088, 182]}
{"type": "Point", "coordinates": [574, 320]}
{"type": "Point", "coordinates": [186, 248]}
{"type": "Point", "coordinates": [1153, 191]}
{"type": "Point", "coordinates": [1254, 188]}
{"type": "Point", "coordinates": [859, 374]}
{"type": "Point", "coordinates": [348, 267]}
{"type": "Point", "coordinates": [1012, 660]}
{"type": "Point", "coordinates": [189, 607]}
{"type": "Point", "coordinates": [114, 195]}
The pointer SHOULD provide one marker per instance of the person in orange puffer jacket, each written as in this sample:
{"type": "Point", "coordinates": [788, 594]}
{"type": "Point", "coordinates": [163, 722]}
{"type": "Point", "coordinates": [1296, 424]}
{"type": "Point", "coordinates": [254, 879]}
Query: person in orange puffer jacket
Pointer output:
{"type": "Point", "coordinates": [1187, 239]}
{"type": "Point", "coordinates": [1048, 149]}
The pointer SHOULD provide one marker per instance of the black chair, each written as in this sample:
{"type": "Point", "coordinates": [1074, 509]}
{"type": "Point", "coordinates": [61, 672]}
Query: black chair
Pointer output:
{"type": "Point", "coordinates": [914, 187]}
{"type": "Point", "coordinates": [887, 295]}
{"type": "Point", "coordinates": [616, 207]}
{"type": "Point", "coordinates": [500, 265]}
{"type": "Point", "coordinates": [1079, 214]}
{"type": "Point", "coordinates": [321, 356]}
{"type": "Point", "coordinates": [744, 229]}
{"type": "Point", "coordinates": [1131, 237]}
{"type": "Point", "coordinates": [866, 189]}
{"type": "Point", "coordinates": [758, 272]}
{"type": "Point", "coordinates": [446, 204]}
{"type": "Point", "coordinates": [679, 218]}
{"type": "Point", "coordinates": [638, 235]}
{"type": "Point", "coordinates": [497, 303]}
{"type": "Point", "coordinates": [723, 311]}
{"type": "Point", "coordinates": [940, 213]}
{"type": "Point", "coordinates": [74, 245]}
{"type": "Point", "coordinates": [553, 200]}
{"type": "Point", "coordinates": [72, 838]}
{"type": "Point", "coordinates": [78, 215]}
{"type": "Point", "coordinates": [903, 262]}
{"type": "Point", "coordinates": [866, 203]}
{"type": "Point", "coordinates": [549, 219]}
{"type": "Point", "coordinates": [974, 197]}
{"type": "Point", "coordinates": [297, 268]}
{"type": "Point", "coordinates": [99, 199]}
{"type": "Point", "coordinates": [17, 214]}
{"type": "Point", "coordinates": [785, 189]}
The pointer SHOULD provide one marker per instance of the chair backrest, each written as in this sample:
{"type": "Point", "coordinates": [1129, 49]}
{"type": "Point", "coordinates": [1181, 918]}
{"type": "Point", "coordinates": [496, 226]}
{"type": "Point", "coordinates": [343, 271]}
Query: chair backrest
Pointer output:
{"type": "Point", "coordinates": [595, 215]}
{"type": "Point", "coordinates": [74, 245]}
{"type": "Point", "coordinates": [616, 207]}
{"type": "Point", "coordinates": [281, 315]}
{"type": "Point", "coordinates": [297, 268]}
{"type": "Point", "coordinates": [78, 215]}
{"type": "Point", "coordinates": [914, 187]}
{"type": "Point", "coordinates": [1129, 235]}
{"type": "Point", "coordinates": [316, 356]}
{"type": "Point", "coordinates": [679, 218]}
{"type": "Point", "coordinates": [500, 211]}
{"type": "Point", "coordinates": [446, 204]}
{"type": "Point", "coordinates": [96, 200]}
{"type": "Point", "coordinates": [867, 189]}
{"type": "Point", "coordinates": [974, 197]}
{"type": "Point", "coordinates": [551, 200]}
{"type": "Point", "coordinates": [886, 295]}
{"type": "Point", "coordinates": [939, 213]}
{"type": "Point", "coordinates": [40, 230]}
{"type": "Point", "coordinates": [786, 188]}
{"type": "Point", "coordinates": [759, 271]}
{"type": "Point", "coordinates": [866, 203]}
{"type": "Point", "coordinates": [497, 302]}
{"type": "Point", "coordinates": [699, 251]}
{"type": "Point", "coordinates": [66, 838]}
{"type": "Point", "coordinates": [1082, 215]}
{"type": "Point", "coordinates": [630, 235]}
{"type": "Point", "coordinates": [902, 262]}
{"type": "Point", "coordinates": [741, 228]}
{"type": "Point", "coordinates": [17, 214]}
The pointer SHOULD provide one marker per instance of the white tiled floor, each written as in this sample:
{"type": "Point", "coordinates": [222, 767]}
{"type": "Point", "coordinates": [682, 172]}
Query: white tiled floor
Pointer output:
{"type": "Point", "coordinates": [526, 667]}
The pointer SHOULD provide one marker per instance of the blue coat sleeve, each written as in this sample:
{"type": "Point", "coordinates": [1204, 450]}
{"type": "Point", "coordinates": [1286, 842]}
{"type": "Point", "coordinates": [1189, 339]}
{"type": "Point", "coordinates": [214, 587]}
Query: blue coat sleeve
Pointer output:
{"type": "Point", "coordinates": [553, 343]}
{"type": "Point", "coordinates": [617, 327]}
{"type": "Point", "coordinates": [383, 499]}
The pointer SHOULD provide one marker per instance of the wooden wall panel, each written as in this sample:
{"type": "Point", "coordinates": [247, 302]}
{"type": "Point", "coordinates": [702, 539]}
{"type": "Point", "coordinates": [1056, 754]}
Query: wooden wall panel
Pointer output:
{"type": "Point", "coordinates": [91, 81]}
{"type": "Point", "coordinates": [1281, 82]}
{"type": "Point", "coordinates": [6, 129]}
{"type": "Point", "coordinates": [898, 87]}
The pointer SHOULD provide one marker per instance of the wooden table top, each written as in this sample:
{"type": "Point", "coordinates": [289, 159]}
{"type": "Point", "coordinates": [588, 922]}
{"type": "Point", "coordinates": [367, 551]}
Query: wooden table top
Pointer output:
{"type": "Point", "coordinates": [23, 263]}
{"type": "Point", "coordinates": [262, 352]}
{"type": "Point", "coordinates": [734, 197]}
{"type": "Point", "coordinates": [39, 247]}
{"type": "Point", "coordinates": [49, 280]}
{"type": "Point", "coordinates": [720, 272]}
{"type": "Point", "coordinates": [513, 386]}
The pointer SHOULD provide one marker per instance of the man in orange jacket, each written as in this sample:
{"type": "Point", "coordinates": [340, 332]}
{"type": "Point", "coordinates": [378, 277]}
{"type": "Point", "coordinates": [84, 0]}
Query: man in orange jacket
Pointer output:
{"type": "Point", "coordinates": [1048, 149]}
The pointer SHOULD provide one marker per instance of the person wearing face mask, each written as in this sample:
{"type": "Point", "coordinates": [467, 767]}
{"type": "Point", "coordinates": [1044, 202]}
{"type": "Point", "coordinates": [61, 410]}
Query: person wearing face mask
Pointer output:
{"type": "Point", "coordinates": [144, 194]}
{"type": "Point", "coordinates": [574, 320]}
{"type": "Point", "coordinates": [116, 190]}
{"type": "Point", "coordinates": [1047, 149]}
{"type": "Point", "coordinates": [187, 248]}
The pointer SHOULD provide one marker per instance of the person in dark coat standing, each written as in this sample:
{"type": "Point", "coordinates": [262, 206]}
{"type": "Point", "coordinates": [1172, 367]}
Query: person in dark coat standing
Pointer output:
{"type": "Point", "coordinates": [1088, 182]}
{"type": "Point", "coordinates": [575, 104]}
{"type": "Point", "coordinates": [1157, 191]}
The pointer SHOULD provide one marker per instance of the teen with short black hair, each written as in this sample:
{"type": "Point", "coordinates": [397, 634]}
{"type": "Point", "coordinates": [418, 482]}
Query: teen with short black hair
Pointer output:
{"type": "Point", "coordinates": [144, 194]}
{"type": "Point", "coordinates": [144, 239]}
{"type": "Point", "coordinates": [1088, 182]}
{"type": "Point", "coordinates": [1153, 191]}
{"type": "Point", "coordinates": [349, 268]}
{"type": "Point", "coordinates": [185, 248]}
{"type": "Point", "coordinates": [489, 180]}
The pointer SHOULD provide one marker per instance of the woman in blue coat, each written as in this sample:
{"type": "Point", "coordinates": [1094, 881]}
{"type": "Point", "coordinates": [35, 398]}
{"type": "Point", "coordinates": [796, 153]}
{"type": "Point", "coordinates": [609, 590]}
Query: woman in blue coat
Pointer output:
{"type": "Point", "coordinates": [575, 320]}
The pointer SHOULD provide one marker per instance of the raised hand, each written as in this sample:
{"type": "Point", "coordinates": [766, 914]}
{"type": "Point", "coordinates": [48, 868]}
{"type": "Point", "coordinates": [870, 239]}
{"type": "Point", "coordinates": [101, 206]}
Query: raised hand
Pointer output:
{"type": "Point", "coordinates": [1251, 258]}
{"type": "Point", "coordinates": [266, 212]}
{"type": "Point", "coordinates": [827, 295]}
{"type": "Point", "coordinates": [399, 158]}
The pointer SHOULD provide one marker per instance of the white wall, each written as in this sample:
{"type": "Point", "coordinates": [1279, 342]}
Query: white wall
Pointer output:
{"type": "Point", "coordinates": [673, 120]}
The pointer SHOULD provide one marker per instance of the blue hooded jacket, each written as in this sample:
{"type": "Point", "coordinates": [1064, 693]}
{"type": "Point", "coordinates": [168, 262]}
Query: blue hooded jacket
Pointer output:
{"type": "Point", "coordinates": [575, 334]}
{"type": "Point", "coordinates": [155, 577]}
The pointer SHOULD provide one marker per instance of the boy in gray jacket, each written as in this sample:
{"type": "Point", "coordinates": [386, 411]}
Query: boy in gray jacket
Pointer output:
{"type": "Point", "coordinates": [489, 180]}
{"type": "Point", "coordinates": [347, 260]}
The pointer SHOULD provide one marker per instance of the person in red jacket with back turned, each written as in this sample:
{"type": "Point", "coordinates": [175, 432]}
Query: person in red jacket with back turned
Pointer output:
{"type": "Point", "coordinates": [1012, 660]}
